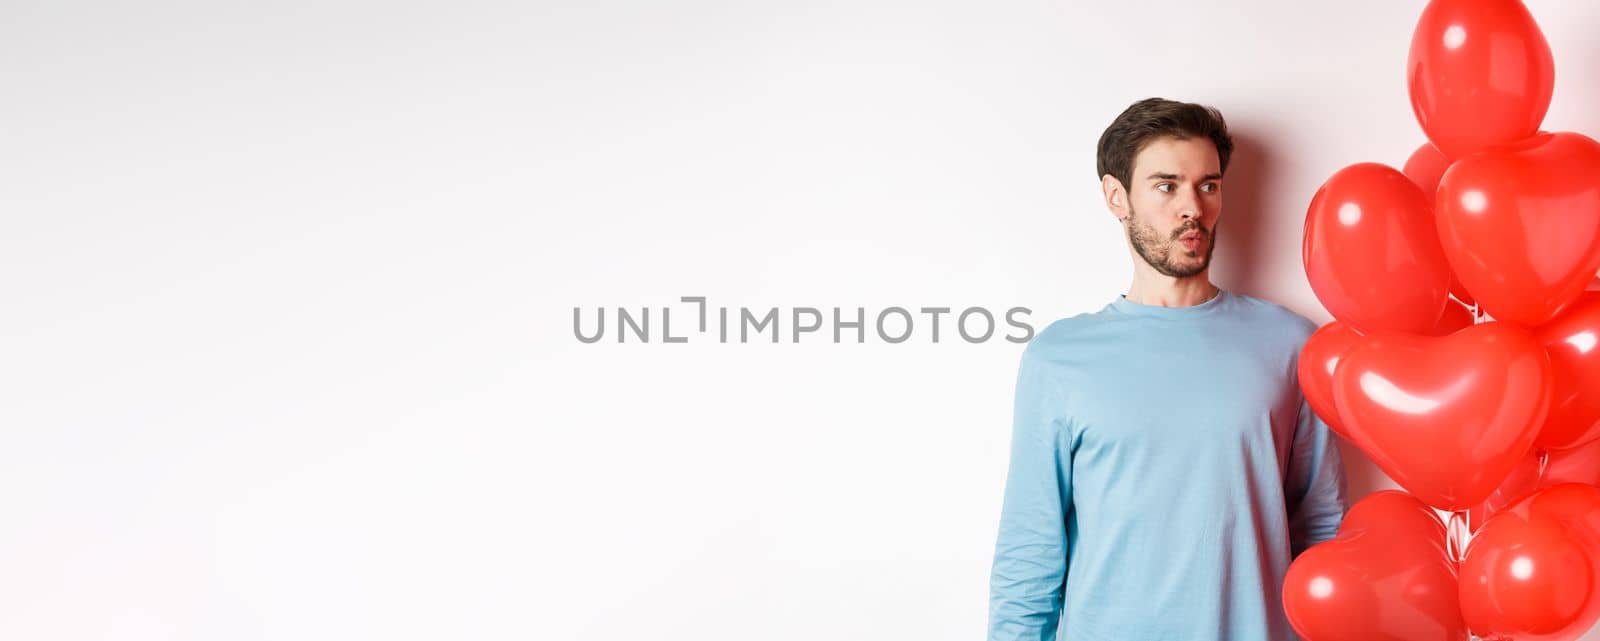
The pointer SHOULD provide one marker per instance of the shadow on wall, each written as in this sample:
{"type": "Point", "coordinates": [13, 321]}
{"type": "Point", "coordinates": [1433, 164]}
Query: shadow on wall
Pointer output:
{"type": "Point", "coordinates": [1242, 234]}
{"type": "Point", "coordinates": [1246, 257]}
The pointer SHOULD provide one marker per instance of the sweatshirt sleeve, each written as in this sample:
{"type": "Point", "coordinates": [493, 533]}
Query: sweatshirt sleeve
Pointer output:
{"type": "Point", "coordinates": [1029, 572]}
{"type": "Point", "coordinates": [1315, 483]}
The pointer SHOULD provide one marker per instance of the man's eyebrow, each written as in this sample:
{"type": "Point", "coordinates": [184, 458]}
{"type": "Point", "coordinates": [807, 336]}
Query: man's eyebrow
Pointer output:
{"type": "Point", "coordinates": [1160, 176]}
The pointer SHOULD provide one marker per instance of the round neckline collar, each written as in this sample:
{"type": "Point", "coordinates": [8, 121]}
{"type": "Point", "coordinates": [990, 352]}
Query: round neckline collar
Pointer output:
{"type": "Point", "coordinates": [1122, 304]}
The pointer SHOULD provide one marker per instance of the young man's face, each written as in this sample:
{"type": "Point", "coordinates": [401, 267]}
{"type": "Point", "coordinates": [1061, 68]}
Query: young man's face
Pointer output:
{"type": "Point", "coordinates": [1172, 204]}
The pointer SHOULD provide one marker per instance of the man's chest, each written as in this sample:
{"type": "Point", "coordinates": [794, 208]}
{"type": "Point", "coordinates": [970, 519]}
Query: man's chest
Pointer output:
{"type": "Point", "coordinates": [1191, 402]}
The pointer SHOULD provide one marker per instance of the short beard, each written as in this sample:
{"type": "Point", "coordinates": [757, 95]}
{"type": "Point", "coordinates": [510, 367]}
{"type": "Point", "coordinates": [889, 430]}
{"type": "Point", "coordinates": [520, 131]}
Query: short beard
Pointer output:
{"type": "Point", "coordinates": [1158, 253]}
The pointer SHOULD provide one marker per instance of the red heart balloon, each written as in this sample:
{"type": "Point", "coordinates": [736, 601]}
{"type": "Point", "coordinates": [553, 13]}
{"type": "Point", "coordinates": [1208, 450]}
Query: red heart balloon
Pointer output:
{"type": "Point", "coordinates": [1386, 577]}
{"type": "Point", "coordinates": [1372, 253]}
{"type": "Point", "coordinates": [1521, 224]}
{"type": "Point", "coordinates": [1578, 465]}
{"type": "Point", "coordinates": [1533, 571]}
{"type": "Point", "coordinates": [1480, 73]}
{"type": "Point", "coordinates": [1318, 357]}
{"type": "Point", "coordinates": [1425, 167]}
{"type": "Point", "coordinates": [1455, 318]}
{"type": "Point", "coordinates": [1447, 417]}
{"type": "Point", "coordinates": [1570, 340]}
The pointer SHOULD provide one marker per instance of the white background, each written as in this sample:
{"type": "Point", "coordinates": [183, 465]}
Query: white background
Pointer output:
{"type": "Point", "coordinates": [288, 291]}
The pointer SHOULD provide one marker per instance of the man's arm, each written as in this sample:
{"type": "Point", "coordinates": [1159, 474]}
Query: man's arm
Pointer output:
{"type": "Point", "coordinates": [1030, 559]}
{"type": "Point", "coordinates": [1315, 484]}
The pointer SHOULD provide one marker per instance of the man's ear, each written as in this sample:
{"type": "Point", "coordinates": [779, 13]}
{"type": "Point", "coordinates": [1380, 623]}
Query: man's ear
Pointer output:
{"type": "Point", "coordinates": [1116, 196]}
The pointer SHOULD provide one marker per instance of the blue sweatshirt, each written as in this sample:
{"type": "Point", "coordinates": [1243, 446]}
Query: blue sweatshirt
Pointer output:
{"type": "Point", "coordinates": [1165, 469]}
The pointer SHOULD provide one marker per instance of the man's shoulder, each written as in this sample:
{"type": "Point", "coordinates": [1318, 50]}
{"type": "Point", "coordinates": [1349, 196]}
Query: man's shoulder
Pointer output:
{"type": "Point", "coordinates": [1266, 315]}
{"type": "Point", "coordinates": [1070, 329]}
{"type": "Point", "coordinates": [1070, 340]}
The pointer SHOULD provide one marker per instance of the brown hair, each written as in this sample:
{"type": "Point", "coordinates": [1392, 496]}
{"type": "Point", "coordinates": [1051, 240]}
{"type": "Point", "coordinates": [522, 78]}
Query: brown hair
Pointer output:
{"type": "Point", "coordinates": [1154, 118]}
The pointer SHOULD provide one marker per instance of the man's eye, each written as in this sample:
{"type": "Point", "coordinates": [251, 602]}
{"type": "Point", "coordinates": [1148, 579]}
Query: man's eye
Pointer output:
{"type": "Point", "coordinates": [1165, 188]}
{"type": "Point", "coordinates": [1210, 188]}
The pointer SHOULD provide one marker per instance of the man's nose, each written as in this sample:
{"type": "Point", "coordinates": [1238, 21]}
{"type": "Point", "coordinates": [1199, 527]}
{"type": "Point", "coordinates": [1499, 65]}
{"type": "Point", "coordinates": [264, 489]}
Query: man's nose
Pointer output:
{"type": "Point", "coordinates": [1190, 207]}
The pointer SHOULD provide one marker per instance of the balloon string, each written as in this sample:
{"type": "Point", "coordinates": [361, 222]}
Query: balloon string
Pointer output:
{"type": "Point", "coordinates": [1450, 542]}
{"type": "Point", "coordinates": [1456, 535]}
{"type": "Point", "coordinates": [1450, 537]}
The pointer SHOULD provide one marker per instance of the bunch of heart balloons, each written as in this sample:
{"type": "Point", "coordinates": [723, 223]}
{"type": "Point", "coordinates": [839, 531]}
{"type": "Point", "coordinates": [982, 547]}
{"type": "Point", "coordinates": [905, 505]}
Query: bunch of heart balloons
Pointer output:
{"type": "Point", "coordinates": [1463, 359]}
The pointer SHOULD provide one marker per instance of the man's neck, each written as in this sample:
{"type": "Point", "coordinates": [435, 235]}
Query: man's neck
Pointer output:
{"type": "Point", "coordinates": [1165, 291]}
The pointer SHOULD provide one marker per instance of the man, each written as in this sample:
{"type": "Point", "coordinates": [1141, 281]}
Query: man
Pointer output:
{"type": "Point", "coordinates": [1165, 468]}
